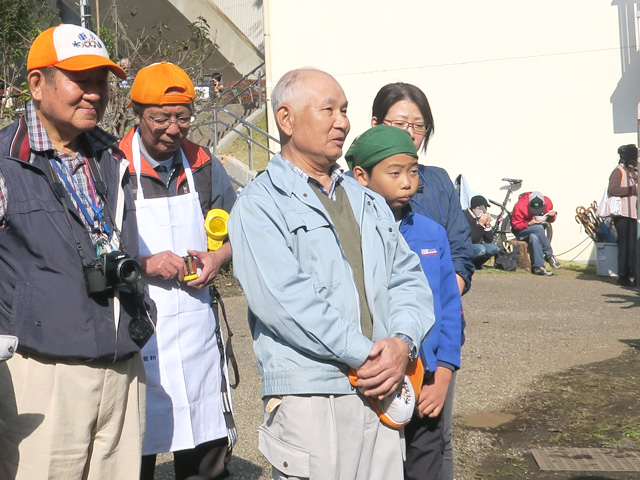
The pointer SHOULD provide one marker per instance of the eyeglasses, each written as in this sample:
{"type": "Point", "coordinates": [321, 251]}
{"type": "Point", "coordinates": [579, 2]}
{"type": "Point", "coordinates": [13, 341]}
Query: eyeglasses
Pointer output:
{"type": "Point", "coordinates": [418, 127]}
{"type": "Point", "coordinates": [164, 122]}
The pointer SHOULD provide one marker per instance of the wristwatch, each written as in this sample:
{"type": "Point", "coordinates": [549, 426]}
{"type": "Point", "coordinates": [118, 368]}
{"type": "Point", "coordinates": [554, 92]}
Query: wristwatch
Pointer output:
{"type": "Point", "coordinates": [413, 349]}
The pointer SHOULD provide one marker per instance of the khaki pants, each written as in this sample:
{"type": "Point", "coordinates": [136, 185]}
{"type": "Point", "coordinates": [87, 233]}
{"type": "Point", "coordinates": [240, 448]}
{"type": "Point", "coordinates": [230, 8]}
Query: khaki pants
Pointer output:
{"type": "Point", "coordinates": [330, 438]}
{"type": "Point", "coordinates": [71, 420]}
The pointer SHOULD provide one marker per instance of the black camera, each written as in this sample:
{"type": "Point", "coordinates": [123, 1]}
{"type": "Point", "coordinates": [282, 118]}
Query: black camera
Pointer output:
{"type": "Point", "coordinates": [112, 270]}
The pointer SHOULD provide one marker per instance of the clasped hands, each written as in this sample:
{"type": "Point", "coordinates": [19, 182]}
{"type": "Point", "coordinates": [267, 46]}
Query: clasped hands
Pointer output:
{"type": "Point", "coordinates": [383, 371]}
{"type": "Point", "coordinates": [485, 220]}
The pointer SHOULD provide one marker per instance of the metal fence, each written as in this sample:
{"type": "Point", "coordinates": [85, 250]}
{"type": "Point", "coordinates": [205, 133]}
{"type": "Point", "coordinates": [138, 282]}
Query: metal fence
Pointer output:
{"type": "Point", "coordinates": [245, 96]}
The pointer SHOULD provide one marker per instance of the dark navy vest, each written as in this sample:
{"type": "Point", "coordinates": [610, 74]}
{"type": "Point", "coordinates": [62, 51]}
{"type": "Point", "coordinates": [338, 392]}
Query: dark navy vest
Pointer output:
{"type": "Point", "coordinates": [43, 297]}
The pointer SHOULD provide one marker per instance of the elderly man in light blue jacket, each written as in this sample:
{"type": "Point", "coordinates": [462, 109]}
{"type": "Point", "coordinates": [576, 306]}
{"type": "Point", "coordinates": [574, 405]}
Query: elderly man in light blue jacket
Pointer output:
{"type": "Point", "coordinates": [332, 287]}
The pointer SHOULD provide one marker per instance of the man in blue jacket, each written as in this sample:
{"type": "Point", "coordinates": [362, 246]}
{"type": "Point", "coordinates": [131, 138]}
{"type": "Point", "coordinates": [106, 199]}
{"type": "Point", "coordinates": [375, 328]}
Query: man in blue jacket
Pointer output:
{"type": "Point", "coordinates": [331, 286]}
{"type": "Point", "coordinates": [72, 402]}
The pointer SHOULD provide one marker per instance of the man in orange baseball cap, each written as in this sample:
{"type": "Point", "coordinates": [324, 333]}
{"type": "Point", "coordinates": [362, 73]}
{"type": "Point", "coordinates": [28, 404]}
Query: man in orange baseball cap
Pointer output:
{"type": "Point", "coordinates": [176, 183]}
{"type": "Point", "coordinates": [71, 373]}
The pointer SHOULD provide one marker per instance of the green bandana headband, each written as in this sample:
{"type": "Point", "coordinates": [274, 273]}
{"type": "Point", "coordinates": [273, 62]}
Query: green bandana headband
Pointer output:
{"type": "Point", "coordinates": [378, 143]}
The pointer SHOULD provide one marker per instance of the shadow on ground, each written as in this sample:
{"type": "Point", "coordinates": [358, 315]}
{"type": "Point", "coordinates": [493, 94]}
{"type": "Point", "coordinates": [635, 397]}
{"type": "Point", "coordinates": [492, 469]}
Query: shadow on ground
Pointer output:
{"type": "Point", "coordinates": [629, 297]}
{"type": "Point", "coordinates": [242, 469]}
{"type": "Point", "coordinates": [238, 468]}
{"type": "Point", "coordinates": [591, 406]}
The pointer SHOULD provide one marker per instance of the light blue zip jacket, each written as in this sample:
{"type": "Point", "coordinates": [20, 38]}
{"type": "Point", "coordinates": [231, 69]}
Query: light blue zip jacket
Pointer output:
{"type": "Point", "coordinates": [303, 303]}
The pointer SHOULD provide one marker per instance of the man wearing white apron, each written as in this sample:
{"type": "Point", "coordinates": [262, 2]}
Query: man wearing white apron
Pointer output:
{"type": "Point", "coordinates": [175, 183]}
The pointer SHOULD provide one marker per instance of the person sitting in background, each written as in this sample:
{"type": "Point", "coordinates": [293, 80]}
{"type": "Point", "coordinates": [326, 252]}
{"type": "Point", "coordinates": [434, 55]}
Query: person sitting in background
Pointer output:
{"type": "Point", "coordinates": [481, 232]}
{"type": "Point", "coordinates": [528, 219]}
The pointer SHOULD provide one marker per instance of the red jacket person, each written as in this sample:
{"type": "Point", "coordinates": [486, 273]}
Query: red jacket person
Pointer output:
{"type": "Point", "coordinates": [530, 214]}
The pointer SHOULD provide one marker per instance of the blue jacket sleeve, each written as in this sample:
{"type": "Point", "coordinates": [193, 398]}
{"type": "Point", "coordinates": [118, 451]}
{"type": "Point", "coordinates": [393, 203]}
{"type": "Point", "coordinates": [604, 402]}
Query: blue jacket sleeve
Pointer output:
{"type": "Point", "coordinates": [451, 311]}
{"type": "Point", "coordinates": [459, 235]}
{"type": "Point", "coordinates": [429, 240]}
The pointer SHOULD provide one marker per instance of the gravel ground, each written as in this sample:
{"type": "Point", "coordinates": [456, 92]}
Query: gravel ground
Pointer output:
{"type": "Point", "coordinates": [519, 327]}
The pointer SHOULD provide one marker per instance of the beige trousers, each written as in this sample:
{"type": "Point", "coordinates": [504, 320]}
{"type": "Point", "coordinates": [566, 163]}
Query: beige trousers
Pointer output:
{"type": "Point", "coordinates": [330, 438]}
{"type": "Point", "coordinates": [71, 420]}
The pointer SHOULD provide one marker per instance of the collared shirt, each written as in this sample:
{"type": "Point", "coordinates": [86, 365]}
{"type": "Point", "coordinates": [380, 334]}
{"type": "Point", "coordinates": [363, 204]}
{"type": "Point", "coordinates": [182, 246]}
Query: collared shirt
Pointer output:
{"type": "Point", "coordinates": [80, 179]}
{"type": "Point", "coordinates": [167, 170]}
{"type": "Point", "coordinates": [336, 173]}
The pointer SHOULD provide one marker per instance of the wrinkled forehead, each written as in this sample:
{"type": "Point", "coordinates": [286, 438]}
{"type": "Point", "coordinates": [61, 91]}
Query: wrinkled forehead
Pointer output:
{"type": "Point", "coordinates": [315, 87]}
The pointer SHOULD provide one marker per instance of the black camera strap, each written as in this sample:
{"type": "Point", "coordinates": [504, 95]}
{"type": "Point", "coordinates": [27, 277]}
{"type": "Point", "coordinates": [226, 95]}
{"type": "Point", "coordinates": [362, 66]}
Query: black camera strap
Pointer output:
{"type": "Point", "coordinates": [218, 306]}
{"type": "Point", "coordinates": [141, 326]}
{"type": "Point", "coordinates": [61, 194]}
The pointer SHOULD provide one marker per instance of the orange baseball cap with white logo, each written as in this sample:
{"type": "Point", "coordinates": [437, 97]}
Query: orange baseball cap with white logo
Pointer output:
{"type": "Point", "coordinates": [70, 47]}
{"type": "Point", "coordinates": [162, 84]}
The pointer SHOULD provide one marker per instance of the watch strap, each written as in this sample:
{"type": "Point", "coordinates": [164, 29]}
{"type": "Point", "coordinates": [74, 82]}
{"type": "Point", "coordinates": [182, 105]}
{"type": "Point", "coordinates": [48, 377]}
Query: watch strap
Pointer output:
{"type": "Point", "coordinates": [413, 348]}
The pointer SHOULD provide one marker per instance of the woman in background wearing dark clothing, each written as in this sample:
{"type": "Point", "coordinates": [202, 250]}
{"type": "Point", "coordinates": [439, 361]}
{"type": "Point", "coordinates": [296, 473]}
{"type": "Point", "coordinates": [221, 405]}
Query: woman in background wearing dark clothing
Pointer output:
{"type": "Point", "coordinates": [623, 183]}
{"type": "Point", "coordinates": [405, 106]}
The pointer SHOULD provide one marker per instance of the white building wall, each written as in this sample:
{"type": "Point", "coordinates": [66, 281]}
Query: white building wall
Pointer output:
{"type": "Point", "coordinates": [248, 16]}
{"type": "Point", "coordinates": [544, 91]}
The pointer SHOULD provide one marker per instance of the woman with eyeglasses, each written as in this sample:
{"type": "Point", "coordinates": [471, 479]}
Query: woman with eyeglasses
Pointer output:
{"type": "Point", "coordinates": [405, 106]}
{"type": "Point", "coordinates": [428, 435]}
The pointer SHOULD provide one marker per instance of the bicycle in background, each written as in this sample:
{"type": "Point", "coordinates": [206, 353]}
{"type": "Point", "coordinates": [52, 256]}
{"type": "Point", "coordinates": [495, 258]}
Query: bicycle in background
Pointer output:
{"type": "Point", "coordinates": [502, 221]}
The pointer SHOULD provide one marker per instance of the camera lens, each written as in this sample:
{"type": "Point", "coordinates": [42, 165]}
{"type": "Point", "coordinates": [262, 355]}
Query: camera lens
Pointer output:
{"type": "Point", "coordinates": [128, 271]}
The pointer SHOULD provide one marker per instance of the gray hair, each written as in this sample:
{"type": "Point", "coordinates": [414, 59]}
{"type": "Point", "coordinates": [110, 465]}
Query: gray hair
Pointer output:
{"type": "Point", "coordinates": [286, 88]}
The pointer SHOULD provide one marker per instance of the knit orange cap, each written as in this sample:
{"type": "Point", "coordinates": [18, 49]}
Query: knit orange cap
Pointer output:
{"type": "Point", "coordinates": [162, 84]}
{"type": "Point", "coordinates": [70, 47]}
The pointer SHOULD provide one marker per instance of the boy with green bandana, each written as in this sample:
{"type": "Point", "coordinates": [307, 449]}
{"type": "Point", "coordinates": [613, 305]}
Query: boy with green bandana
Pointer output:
{"type": "Point", "coordinates": [385, 160]}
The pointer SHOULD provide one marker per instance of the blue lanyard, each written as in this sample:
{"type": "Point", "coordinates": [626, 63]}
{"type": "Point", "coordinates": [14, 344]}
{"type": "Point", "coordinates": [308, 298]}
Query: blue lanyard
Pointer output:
{"type": "Point", "coordinates": [97, 210]}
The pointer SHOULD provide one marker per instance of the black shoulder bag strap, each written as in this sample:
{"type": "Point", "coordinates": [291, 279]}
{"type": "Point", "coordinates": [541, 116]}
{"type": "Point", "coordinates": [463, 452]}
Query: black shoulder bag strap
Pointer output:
{"type": "Point", "coordinates": [218, 307]}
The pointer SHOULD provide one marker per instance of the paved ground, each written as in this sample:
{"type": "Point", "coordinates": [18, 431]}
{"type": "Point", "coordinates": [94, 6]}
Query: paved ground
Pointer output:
{"type": "Point", "coordinates": [519, 327]}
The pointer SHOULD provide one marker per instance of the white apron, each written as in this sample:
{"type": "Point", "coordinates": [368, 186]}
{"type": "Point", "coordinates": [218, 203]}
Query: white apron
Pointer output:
{"type": "Point", "coordinates": [182, 359]}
